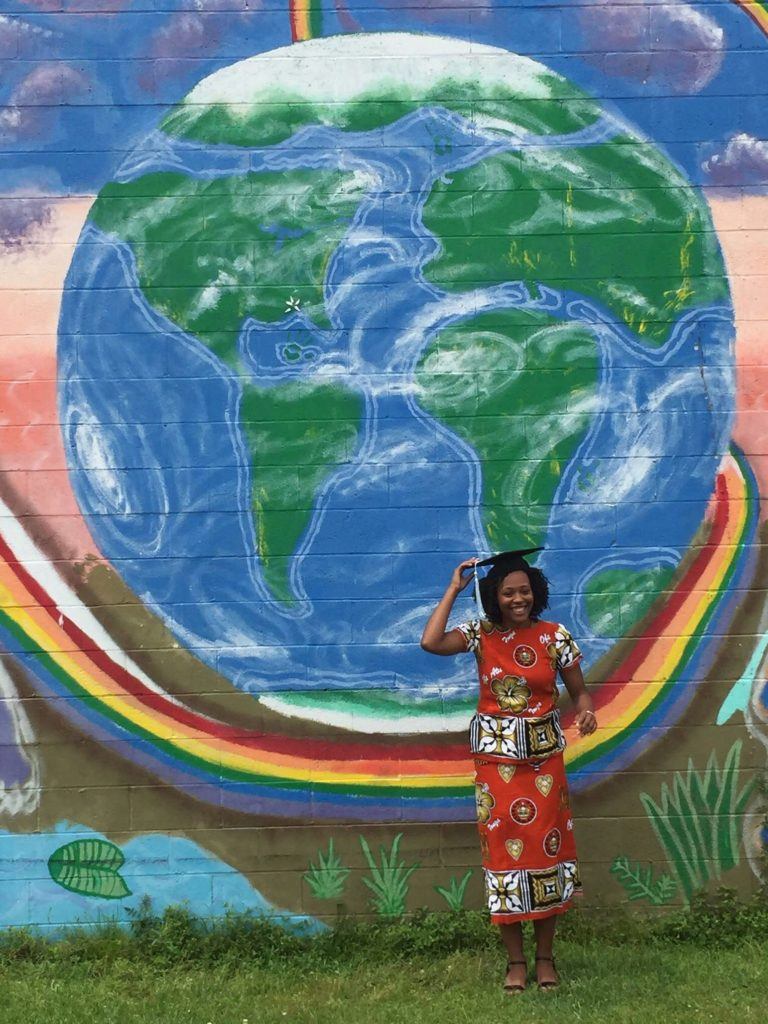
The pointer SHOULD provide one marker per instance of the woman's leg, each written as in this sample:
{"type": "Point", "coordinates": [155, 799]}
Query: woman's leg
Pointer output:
{"type": "Point", "coordinates": [544, 928]}
{"type": "Point", "coordinates": [512, 937]}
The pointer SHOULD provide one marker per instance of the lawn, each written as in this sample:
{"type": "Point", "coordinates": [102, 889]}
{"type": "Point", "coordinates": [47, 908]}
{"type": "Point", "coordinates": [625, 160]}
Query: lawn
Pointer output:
{"type": "Point", "coordinates": [673, 983]}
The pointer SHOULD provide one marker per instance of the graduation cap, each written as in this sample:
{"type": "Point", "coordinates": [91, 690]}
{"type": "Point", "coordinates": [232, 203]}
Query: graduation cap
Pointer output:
{"type": "Point", "coordinates": [502, 564]}
{"type": "Point", "coordinates": [511, 558]}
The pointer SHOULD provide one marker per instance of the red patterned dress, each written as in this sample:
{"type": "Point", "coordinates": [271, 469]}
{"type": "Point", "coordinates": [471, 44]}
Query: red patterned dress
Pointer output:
{"type": "Point", "coordinates": [523, 807]}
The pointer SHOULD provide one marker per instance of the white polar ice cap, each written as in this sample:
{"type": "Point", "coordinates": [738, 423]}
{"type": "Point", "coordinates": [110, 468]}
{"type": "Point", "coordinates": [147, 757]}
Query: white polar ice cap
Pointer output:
{"type": "Point", "coordinates": [338, 69]}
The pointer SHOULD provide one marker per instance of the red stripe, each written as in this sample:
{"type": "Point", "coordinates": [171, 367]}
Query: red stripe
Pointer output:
{"type": "Point", "coordinates": [294, 19]}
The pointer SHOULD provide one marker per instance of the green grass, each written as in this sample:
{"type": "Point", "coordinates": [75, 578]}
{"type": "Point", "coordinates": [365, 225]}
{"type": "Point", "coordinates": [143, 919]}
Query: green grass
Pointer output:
{"type": "Point", "coordinates": [708, 963]}
{"type": "Point", "coordinates": [600, 983]}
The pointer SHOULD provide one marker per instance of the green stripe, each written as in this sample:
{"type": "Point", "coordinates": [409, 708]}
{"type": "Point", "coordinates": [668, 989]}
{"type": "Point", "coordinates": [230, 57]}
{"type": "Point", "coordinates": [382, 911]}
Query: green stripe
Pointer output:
{"type": "Point", "coordinates": [315, 19]}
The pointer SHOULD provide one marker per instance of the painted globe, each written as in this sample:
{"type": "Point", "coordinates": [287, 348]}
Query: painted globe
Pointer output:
{"type": "Point", "coordinates": [364, 306]}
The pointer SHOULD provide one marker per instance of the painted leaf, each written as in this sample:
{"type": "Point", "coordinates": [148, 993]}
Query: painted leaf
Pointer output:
{"type": "Point", "coordinates": [727, 845]}
{"type": "Point", "coordinates": [639, 883]}
{"type": "Point", "coordinates": [690, 822]}
{"type": "Point", "coordinates": [665, 889]}
{"type": "Point", "coordinates": [667, 835]}
{"type": "Point", "coordinates": [89, 867]}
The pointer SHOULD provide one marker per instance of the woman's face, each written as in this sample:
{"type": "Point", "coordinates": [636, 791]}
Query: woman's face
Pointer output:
{"type": "Point", "coordinates": [515, 599]}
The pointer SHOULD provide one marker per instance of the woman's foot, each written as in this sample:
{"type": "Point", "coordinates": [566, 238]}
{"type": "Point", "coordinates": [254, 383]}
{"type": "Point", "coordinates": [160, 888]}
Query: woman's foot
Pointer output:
{"type": "Point", "coordinates": [546, 974]}
{"type": "Point", "coordinates": [514, 981]}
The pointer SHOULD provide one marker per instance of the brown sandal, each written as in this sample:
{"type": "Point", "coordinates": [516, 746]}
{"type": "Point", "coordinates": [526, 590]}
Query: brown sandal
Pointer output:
{"type": "Point", "coordinates": [509, 988]}
{"type": "Point", "coordinates": [548, 986]}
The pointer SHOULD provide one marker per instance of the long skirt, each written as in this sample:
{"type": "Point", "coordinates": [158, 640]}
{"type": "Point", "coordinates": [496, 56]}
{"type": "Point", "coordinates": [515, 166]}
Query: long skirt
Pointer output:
{"type": "Point", "coordinates": [526, 838]}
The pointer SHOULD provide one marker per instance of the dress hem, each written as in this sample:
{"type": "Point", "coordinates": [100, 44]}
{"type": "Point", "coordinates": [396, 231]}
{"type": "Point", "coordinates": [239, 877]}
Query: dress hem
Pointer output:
{"type": "Point", "coordinates": [510, 917]}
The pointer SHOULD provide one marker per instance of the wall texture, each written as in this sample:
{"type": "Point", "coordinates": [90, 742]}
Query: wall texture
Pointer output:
{"type": "Point", "coordinates": [301, 305]}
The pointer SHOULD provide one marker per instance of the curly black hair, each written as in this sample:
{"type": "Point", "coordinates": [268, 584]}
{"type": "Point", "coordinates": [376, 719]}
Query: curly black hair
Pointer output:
{"type": "Point", "coordinates": [489, 587]}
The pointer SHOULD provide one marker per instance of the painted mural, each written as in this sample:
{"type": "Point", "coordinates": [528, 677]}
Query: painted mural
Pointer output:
{"type": "Point", "coordinates": [304, 304]}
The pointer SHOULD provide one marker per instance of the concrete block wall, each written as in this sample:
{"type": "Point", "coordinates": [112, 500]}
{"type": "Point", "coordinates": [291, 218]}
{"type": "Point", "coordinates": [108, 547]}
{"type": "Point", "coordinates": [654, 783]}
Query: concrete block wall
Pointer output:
{"type": "Point", "coordinates": [303, 303]}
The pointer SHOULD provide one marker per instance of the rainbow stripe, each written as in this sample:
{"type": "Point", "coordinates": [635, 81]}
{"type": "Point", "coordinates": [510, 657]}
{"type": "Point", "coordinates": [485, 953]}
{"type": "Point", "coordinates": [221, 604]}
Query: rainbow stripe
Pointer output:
{"type": "Point", "coordinates": [656, 681]}
{"type": "Point", "coordinates": [306, 19]}
{"type": "Point", "coordinates": [103, 694]}
{"type": "Point", "coordinates": [757, 10]}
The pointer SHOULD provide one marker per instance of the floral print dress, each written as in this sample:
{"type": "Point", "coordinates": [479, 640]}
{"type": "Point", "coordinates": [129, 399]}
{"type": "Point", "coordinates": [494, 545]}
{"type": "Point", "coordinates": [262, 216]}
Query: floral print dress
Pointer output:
{"type": "Point", "coordinates": [523, 805]}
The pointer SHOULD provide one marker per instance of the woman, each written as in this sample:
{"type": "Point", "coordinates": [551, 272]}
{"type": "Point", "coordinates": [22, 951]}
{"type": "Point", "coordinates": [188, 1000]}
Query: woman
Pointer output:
{"type": "Point", "coordinates": [523, 807]}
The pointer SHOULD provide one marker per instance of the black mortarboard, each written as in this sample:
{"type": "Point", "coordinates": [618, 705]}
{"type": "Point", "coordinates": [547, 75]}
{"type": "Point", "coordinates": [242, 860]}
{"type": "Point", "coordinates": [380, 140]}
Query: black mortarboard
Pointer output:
{"type": "Point", "coordinates": [503, 558]}
{"type": "Point", "coordinates": [504, 562]}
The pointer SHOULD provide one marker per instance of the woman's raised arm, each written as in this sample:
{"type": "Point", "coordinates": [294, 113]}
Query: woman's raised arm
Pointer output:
{"type": "Point", "coordinates": [434, 638]}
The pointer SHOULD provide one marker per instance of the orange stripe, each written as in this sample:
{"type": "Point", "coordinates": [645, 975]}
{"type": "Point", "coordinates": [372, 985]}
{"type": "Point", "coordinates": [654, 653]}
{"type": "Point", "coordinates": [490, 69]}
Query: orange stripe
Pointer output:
{"type": "Point", "coordinates": [300, 20]}
{"type": "Point", "coordinates": [758, 12]}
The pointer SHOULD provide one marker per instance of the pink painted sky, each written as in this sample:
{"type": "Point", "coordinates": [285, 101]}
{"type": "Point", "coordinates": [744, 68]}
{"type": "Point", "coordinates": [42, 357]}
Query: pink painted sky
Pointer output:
{"type": "Point", "coordinates": [742, 226]}
{"type": "Point", "coordinates": [32, 458]}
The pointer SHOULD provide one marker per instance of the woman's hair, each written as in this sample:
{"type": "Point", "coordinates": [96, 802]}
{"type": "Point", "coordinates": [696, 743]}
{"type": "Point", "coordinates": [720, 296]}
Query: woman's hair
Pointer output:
{"type": "Point", "coordinates": [490, 584]}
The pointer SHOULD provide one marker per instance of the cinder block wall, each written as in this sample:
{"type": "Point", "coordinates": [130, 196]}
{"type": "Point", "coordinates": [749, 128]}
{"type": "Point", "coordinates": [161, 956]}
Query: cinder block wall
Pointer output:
{"type": "Point", "coordinates": [303, 303]}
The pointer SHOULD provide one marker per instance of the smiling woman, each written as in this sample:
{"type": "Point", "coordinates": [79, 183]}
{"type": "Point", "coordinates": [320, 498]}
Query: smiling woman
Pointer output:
{"type": "Point", "coordinates": [523, 807]}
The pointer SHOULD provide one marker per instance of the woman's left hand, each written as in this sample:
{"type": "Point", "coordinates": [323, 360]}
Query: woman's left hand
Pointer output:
{"type": "Point", "coordinates": [586, 721]}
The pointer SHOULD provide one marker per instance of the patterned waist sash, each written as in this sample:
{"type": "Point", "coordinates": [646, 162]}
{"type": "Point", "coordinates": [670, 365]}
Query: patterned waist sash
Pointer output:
{"type": "Point", "coordinates": [516, 738]}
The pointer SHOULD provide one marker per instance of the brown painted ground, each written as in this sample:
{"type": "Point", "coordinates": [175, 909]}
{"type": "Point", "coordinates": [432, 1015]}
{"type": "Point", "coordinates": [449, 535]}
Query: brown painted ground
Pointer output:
{"type": "Point", "coordinates": [85, 782]}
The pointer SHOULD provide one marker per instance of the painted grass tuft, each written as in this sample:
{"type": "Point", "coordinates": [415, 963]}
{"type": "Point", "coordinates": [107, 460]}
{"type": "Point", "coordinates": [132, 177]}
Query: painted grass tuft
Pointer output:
{"type": "Point", "coordinates": [454, 893]}
{"type": "Point", "coordinates": [698, 821]}
{"type": "Point", "coordinates": [388, 880]}
{"type": "Point", "coordinates": [328, 877]}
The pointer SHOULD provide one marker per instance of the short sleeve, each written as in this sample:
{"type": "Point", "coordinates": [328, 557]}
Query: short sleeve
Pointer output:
{"type": "Point", "coordinates": [567, 651]}
{"type": "Point", "coordinates": [471, 631]}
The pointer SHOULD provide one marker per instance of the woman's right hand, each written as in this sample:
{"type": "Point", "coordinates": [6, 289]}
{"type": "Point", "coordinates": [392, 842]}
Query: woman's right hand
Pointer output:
{"type": "Point", "coordinates": [434, 638]}
{"type": "Point", "coordinates": [459, 580]}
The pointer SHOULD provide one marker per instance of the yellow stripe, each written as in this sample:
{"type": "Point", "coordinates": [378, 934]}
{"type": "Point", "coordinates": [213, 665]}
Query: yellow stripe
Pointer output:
{"type": "Point", "coordinates": [248, 764]}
